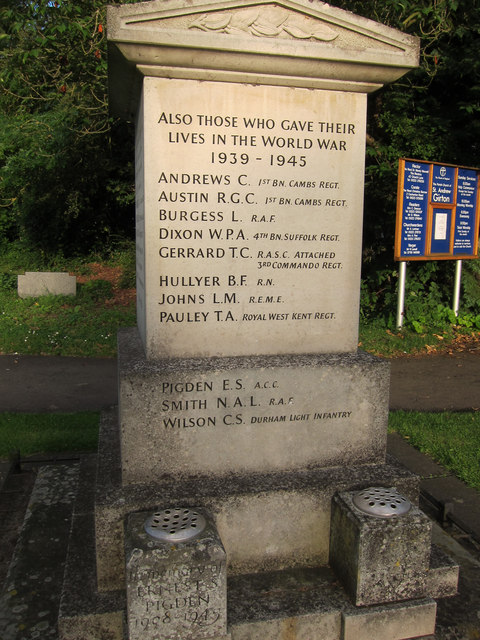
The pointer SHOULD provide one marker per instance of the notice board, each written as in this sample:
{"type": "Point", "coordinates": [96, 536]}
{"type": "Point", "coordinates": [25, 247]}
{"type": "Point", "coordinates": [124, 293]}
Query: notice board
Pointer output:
{"type": "Point", "coordinates": [437, 211]}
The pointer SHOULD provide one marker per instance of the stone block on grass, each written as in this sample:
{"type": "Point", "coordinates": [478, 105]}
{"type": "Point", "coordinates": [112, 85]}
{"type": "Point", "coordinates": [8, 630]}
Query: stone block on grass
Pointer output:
{"type": "Point", "coordinates": [43, 283]}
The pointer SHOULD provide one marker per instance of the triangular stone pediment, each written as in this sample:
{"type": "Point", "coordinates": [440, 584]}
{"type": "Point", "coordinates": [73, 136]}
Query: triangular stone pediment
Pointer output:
{"type": "Point", "coordinates": [315, 22]}
{"type": "Point", "coordinates": [297, 43]}
{"type": "Point", "coordinates": [258, 21]}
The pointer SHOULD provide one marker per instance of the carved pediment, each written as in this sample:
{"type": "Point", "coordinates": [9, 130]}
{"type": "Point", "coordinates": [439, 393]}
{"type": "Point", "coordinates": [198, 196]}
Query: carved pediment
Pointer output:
{"type": "Point", "coordinates": [264, 21]}
{"type": "Point", "coordinates": [299, 43]}
{"type": "Point", "coordinates": [299, 21]}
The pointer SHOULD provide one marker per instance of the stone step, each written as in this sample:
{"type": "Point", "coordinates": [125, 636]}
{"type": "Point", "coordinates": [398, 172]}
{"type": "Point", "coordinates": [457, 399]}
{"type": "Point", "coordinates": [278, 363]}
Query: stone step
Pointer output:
{"type": "Point", "coordinates": [442, 576]}
{"type": "Point", "coordinates": [30, 597]}
{"type": "Point", "coordinates": [303, 601]}
{"type": "Point", "coordinates": [307, 603]}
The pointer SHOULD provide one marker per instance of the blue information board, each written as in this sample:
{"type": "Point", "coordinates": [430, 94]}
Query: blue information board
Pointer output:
{"type": "Point", "coordinates": [414, 209]}
{"type": "Point", "coordinates": [437, 211]}
{"type": "Point", "coordinates": [467, 194]}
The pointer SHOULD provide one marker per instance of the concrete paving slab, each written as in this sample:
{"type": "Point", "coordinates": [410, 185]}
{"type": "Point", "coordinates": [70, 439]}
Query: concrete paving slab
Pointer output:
{"type": "Point", "coordinates": [461, 502]}
{"type": "Point", "coordinates": [452, 498]}
{"type": "Point", "coordinates": [414, 460]}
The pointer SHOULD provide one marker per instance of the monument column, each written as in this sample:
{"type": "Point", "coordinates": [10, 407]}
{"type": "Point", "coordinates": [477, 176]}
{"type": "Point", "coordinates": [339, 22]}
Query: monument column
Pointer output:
{"type": "Point", "coordinates": [250, 147]}
{"type": "Point", "coordinates": [250, 123]}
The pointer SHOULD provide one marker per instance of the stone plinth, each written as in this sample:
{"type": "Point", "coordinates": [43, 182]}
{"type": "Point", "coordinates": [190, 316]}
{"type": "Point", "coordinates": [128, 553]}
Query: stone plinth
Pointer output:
{"type": "Point", "coordinates": [248, 415]}
{"type": "Point", "coordinates": [175, 591]}
{"type": "Point", "coordinates": [379, 559]}
{"type": "Point", "coordinates": [43, 283]}
{"type": "Point", "coordinates": [265, 520]}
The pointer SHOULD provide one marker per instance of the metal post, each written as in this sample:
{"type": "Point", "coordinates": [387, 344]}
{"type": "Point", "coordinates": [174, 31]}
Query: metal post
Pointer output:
{"type": "Point", "coordinates": [456, 290]}
{"type": "Point", "coordinates": [402, 273]}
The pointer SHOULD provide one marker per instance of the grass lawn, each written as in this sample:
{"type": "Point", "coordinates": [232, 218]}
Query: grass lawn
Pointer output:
{"type": "Point", "coordinates": [81, 325]}
{"type": "Point", "coordinates": [31, 433]}
{"type": "Point", "coordinates": [451, 438]}
{"type": "Point", "coordinates": [375, 337]}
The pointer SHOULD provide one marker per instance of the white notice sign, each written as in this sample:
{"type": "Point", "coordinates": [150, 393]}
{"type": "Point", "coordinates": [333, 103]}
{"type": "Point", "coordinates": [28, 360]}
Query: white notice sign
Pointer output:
{"type": "Point", "coordinates": [441, 223]}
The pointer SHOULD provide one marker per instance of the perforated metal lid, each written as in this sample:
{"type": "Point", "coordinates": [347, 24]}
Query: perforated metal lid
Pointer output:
{"type": "Point", "coordinates": [175, 524]}
{"type": "Point", "coordinates": [382, 502]}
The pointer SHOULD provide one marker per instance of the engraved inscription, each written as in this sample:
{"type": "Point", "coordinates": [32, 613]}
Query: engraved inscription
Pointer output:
{"type": "Point", "coordinates": [175, 602]}
{"type": "Point", "coordinates": [254, 217]}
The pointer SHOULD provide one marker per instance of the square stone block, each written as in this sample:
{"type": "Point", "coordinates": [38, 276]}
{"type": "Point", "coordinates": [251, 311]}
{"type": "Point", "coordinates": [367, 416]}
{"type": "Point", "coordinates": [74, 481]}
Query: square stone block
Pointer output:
{"type": "Point", "coordinates": [379, 559]}
{"type": "Point", "coordinates": [44, 283]}
{"type": "Point", "coordinates": [176, 588]}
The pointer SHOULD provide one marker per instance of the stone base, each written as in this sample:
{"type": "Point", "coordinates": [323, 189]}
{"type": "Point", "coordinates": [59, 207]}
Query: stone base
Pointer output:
{"type": "Point", "coordinates": [265, 521]}
{"type": "Point", "coordinates": [302, 603]}
{"type": "Point", "coordinates": [299, 603]}
{"type": "Point", "coordinates": [248, 415]}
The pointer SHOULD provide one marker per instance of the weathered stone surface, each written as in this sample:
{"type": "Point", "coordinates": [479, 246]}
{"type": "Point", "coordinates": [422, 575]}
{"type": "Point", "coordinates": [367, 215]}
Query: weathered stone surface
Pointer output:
{"type": "Point", "coordinates": [29, 600]}
{"type": "Point", "coordinates": [315, 46]}
{"type": "Point", "coordinates": [379, 559]}
{"type": "Point", "coordinates": [391, 622]}
{"type": "Point", "coordinates": [85, 614]}
{"type": "Point", "coordinates": [282, 508]}
{"type": "Point", "coordinates": [442, 576]}
{"type": "Point", "coordinates": [42, 283]}
{"type": "Point", "coordinates": [304, 604]}
{"type": "Point", "coordinates": [175, 591]}
{"type": "Point", "coordinates": [93, 626]}
{"type": "Point", "coordinates": [239, 415]}
{"type": "Point", "coordinates": [310, 605]}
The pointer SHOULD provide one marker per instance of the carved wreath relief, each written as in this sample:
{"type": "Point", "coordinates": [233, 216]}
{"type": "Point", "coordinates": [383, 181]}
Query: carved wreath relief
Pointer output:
{"type": "Point", "coordinates": [264, 22]}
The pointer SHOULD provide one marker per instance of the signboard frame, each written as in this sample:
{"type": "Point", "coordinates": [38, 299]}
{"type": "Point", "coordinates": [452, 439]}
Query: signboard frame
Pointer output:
{"type": "Point", "coordinates": [433, 222]}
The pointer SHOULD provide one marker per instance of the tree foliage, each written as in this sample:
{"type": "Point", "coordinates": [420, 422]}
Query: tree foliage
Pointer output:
{"type": "Point", "coordinates": [65, 166]}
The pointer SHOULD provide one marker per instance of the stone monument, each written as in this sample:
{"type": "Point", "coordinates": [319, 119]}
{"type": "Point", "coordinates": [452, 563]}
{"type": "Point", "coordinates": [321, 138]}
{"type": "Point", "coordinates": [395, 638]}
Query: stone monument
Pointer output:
{"type": "Point", "coordinates": [242, 395]}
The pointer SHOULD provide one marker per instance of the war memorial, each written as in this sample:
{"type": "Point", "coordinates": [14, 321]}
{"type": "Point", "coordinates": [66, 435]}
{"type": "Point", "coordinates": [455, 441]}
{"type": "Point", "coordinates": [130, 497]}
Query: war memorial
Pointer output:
{"type": "Point", "coordinates": [242, 489]}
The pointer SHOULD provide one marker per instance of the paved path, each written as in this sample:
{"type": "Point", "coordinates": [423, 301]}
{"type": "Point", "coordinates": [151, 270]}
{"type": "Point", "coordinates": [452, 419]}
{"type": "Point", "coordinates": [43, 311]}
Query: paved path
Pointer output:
{"type": "Point", "coordinates": [436, 383]}
{"type": "Point", "coordinates": [59, 384]}
{"type": "Point", "coordinates": [44, 384]}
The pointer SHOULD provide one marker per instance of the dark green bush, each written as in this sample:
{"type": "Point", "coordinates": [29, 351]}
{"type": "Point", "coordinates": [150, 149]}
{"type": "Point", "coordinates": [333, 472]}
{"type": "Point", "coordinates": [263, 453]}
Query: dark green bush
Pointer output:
{"type": "Point", "coordinates": [95, 290]}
